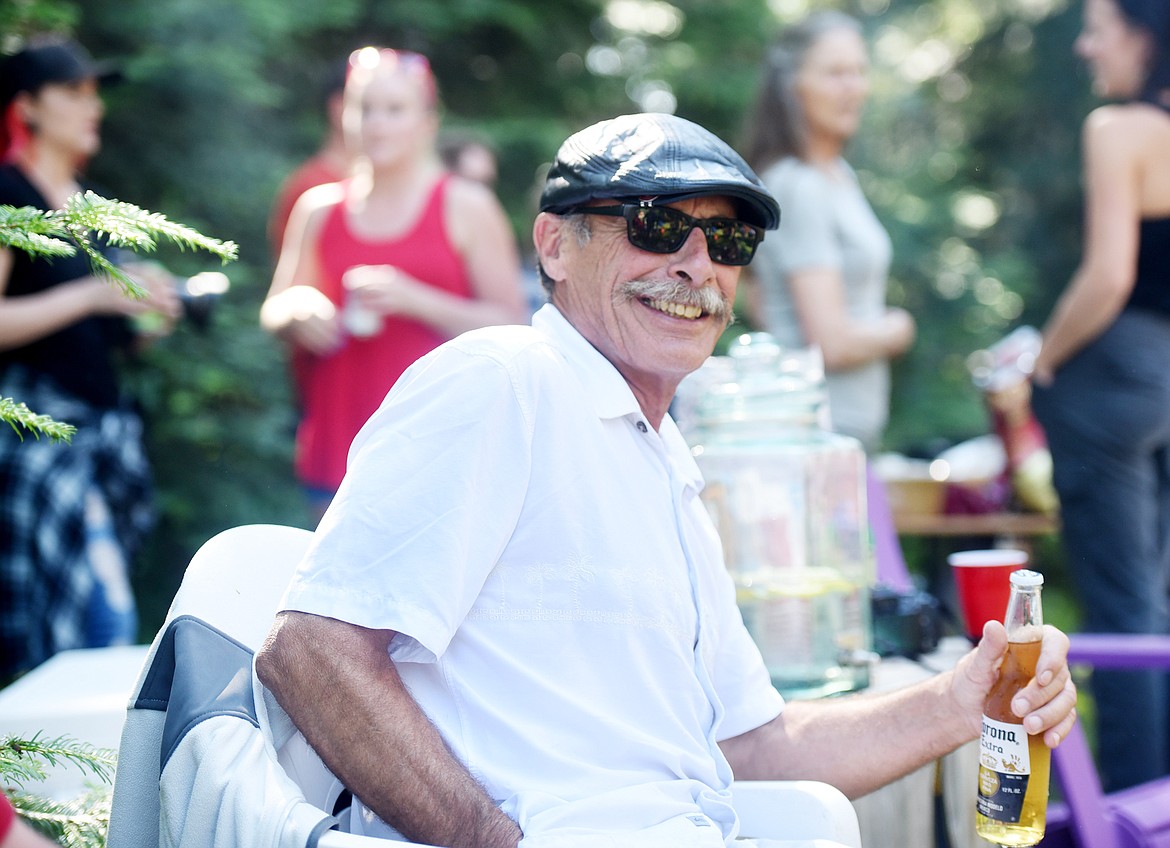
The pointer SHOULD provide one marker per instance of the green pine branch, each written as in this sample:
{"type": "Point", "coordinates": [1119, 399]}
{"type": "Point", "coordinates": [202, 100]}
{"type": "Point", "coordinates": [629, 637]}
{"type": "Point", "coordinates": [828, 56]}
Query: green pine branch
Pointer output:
{"type": "Point", "coordinates": [128, 226]}
{"type": "Point", "coordinates": [87, 216]}
{"type": "Point", "coordinates": [62, 232]}
{"type": "Point", "coordinates": [20, 416]}
{"type": "Point", "coordinates": [78, 823]}
{"type": "Point", "coordinates": [32, 231]}
{"type": "Point", "coordinates": [24, 760]}
{"type": "Point", "coordinates": [137, 229]}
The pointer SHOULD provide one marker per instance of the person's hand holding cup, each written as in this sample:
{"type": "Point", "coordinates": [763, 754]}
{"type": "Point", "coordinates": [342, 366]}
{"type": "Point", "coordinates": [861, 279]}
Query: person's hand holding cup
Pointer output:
{"type": "Point", "coordinates": [983, 584]}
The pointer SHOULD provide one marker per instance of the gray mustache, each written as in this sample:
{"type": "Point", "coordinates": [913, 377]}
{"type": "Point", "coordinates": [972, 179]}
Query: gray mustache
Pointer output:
{"type": "Point", "coordinates": [708, 299]}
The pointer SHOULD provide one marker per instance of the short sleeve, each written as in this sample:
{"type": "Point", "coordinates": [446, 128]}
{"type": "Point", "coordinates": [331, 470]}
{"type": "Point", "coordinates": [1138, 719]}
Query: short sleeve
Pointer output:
{"type": "Point", "coordinates": [741, 679]}
{"type": "Point", "coordinates": [806, 237]}
{"type": "Point", "coordinates": [434, 487]}
{"type": "Point", "coordinates": [741, 682]}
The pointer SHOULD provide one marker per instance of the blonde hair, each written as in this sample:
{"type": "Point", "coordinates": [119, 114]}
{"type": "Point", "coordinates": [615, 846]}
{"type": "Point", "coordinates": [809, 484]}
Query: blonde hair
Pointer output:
{"type": "Point", "coordinates": [364, 61]}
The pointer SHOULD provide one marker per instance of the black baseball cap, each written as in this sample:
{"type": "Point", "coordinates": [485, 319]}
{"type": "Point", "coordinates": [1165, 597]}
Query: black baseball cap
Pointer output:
{"type": "Point", "coordinates": [52, 61]}
{"type": "Point", "coordinates": [655, 156]}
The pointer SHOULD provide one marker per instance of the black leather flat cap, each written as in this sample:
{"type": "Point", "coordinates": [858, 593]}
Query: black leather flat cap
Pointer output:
{"type": "Point", "coordinates": [652, 156]}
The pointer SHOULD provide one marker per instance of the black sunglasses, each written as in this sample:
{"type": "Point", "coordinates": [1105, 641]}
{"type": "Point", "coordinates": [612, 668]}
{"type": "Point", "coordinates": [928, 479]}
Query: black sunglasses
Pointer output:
{"type": "Point", "coordinates": [663, 229]}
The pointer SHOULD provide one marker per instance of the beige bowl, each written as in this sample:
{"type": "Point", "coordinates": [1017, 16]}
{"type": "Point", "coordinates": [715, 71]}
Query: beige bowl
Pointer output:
{"type": "Point", "coordinates": [916, 496]}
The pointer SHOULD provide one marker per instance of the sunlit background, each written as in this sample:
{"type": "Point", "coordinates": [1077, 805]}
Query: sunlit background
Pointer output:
{"type": "Point", "coordinates": [969, 154]}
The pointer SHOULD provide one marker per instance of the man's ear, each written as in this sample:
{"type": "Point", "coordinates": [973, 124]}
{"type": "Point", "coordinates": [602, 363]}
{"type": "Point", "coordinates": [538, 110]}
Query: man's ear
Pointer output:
{"type": "Point", "coordinates": [548, 234]}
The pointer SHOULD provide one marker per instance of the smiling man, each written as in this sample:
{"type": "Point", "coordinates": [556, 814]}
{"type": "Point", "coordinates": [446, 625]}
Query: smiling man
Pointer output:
{"type": "Point", "coordinates": [515, 622]}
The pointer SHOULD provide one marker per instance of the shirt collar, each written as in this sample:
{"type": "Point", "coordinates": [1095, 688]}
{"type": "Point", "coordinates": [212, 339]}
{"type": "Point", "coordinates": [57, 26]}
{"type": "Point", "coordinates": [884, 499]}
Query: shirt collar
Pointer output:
{"type": "Point", "coordinates": [604, 385]}
{"type": "Point", "coordinates": [607, 388]}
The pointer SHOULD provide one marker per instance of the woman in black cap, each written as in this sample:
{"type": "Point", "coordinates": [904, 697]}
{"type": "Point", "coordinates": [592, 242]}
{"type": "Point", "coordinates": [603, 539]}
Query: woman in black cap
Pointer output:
{"type": "Point", "coordinates": [1101, 386]}
{"type": "Point", "coordinates": [71, 515]}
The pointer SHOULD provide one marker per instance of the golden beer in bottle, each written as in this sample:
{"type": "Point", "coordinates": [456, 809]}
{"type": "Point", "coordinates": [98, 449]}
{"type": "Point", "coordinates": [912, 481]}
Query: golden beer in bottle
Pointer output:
{"type": "Point", "coordinates": [1011, 804]}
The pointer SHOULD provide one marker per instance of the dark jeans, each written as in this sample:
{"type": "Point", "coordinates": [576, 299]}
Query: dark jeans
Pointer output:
{"type": "Point", "coordinates": [1107, 418]}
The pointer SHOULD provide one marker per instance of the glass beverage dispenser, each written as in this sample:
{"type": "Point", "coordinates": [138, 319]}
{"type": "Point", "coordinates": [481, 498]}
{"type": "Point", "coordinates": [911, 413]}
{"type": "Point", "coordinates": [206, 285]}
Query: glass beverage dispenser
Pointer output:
{"type": "Point", "coordinates": [788, 498]}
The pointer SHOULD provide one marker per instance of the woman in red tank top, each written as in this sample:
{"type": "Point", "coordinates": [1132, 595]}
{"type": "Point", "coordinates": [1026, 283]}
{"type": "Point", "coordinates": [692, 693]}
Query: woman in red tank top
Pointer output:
{"type": "Point", "coordinates": [381, 268]}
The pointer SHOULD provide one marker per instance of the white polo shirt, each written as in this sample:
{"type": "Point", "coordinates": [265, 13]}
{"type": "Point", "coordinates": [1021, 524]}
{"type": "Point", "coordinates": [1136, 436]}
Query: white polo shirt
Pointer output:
{"type": "Point", "coordinates": [564, 613]}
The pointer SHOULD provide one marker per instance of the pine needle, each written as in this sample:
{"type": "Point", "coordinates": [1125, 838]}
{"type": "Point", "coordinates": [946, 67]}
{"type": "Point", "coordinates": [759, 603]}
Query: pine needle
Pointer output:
{"type": "Point", "coordinates": [126, 225]}
{"type": "Point", "coordinates": [80, 823]}
{"type": "Point", "coordinates": [31, 230]}
{"type": "Point", "coordinates": [18, 415]}
{"type": "Point", "coordinates": [86, 220]}
{"type": "Point", "coordinates": [23, 760]}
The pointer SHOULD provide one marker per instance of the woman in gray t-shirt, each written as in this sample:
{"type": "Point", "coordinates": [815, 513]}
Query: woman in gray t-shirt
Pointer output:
{"type": "Point", "coordinates": [822, 276]}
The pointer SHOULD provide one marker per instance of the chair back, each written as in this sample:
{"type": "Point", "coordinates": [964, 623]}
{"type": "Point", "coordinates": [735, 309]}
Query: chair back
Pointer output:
{"type": "Point", "coordinates": [197, 763]}
{"type": "Point", "coordinates": [236, 579]}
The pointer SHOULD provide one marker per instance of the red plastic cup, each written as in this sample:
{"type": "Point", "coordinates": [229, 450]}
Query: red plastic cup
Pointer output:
{"type": "Point", "coordinates": [983, 585]}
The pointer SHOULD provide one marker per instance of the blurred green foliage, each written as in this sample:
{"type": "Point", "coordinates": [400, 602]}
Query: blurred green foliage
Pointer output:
{"type": "Point", "coordinates": [969, 154]}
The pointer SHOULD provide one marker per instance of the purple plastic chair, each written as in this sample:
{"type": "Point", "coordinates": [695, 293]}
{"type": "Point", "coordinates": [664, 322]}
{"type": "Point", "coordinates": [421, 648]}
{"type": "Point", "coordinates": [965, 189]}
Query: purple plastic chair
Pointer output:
{"type": "Point", "coordinates": [887, 548]}
{"type": "Point", "coordinates": [1138, 817]}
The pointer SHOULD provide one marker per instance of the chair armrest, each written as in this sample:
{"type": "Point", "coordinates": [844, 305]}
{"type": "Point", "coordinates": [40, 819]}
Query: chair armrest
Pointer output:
{"type": "Point", "coordinates": [816, 815]}
{"type": "Point", "coordinates": [1120, 650]}
{"type": "Point", "coordinates": [795, 810]}
{"type": "Point", "coordinates": [336, 839]}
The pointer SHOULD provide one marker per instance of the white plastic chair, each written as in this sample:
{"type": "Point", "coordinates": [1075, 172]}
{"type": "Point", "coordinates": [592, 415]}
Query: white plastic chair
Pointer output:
{"type": "Point", "coordinates": [219, 617]}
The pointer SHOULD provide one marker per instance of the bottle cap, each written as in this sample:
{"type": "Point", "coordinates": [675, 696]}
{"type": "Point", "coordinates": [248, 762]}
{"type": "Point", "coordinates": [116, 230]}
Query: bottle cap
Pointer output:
{"type": "Point", "coordinates": [1025, 579]}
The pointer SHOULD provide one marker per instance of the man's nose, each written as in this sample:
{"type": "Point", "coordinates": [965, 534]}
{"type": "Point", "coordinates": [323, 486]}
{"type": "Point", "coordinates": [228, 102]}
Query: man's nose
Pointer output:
{"type": "Point", "coordinates": [693, 259]}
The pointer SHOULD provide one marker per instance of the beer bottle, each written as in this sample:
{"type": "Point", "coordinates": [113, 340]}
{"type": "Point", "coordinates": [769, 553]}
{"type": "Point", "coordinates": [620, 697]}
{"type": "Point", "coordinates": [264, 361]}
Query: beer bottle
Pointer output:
{"type": "Point", "coordinates": [1012, 800]}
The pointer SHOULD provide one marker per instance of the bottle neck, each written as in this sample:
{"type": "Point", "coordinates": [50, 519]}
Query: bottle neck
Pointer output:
{"type": "Point", "coordinates": [1025, 616]}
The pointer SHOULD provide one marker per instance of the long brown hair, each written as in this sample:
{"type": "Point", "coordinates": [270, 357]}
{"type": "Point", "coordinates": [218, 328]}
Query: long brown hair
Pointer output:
{"type": "Point", "coordinates": [776, 125]}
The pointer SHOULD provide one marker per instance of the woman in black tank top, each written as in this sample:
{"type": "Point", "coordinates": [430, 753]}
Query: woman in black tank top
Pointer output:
{"type": "Point", "coordinates": [1101, 385]}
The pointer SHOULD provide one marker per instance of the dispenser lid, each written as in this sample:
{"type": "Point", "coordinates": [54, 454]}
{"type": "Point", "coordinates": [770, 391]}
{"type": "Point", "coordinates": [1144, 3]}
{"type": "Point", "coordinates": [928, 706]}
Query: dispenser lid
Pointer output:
{"type": "Point", "coordinates": [766, 382]}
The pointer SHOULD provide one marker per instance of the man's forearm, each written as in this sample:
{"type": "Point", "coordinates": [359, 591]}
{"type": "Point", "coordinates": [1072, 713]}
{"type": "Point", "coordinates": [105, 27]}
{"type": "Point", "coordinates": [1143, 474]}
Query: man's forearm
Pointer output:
{"type": "Point", "coordinates": [861, 743]}
{"type": "Point", "coordinates": [339, 687]}
{"type": "Point", "coordinates": [857, 744]}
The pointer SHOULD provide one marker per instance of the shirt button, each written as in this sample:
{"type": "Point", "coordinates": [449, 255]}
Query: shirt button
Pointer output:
{"type": "Point", "coordinates": [642, 427]}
